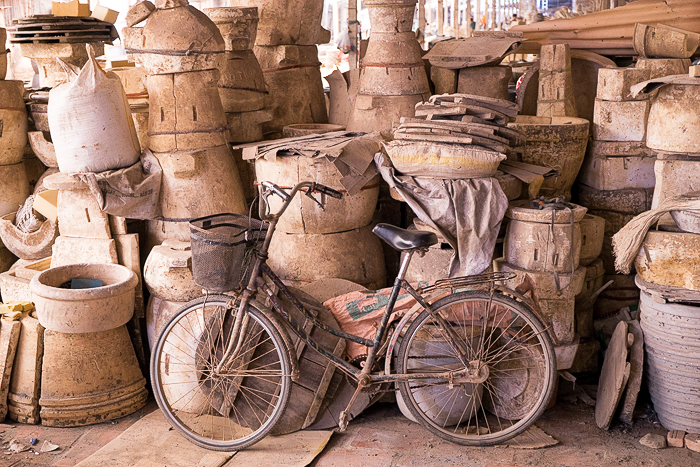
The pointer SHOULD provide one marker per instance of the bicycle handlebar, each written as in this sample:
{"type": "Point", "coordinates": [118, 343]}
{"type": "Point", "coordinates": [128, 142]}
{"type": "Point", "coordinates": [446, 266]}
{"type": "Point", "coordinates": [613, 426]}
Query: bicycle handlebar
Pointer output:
{"type": "Point", "coordinates": [287, 197]}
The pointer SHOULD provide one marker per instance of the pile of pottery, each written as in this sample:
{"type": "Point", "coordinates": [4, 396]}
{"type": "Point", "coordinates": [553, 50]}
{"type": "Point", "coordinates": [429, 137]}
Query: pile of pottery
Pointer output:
{"type": "Point", "coordinates": [392, 78]}
{"type": "Point", "coordinates": [545, 244]}
{"type": "Point", "coordinates": [187, 126]}
{"type": "Point", "coordinates": [314, 242]}
{"type": "Point", "coordinates": [285, 47]}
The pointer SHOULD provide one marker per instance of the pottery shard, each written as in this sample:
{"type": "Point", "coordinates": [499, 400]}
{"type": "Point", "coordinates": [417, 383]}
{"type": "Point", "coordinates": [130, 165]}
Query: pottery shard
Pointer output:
{"type": "Point", "coordinates": [636, 357]}
{"type": "Point", "coordinates": [670, 258]}
{"type": "Point", "coordinates": [9, 337]}
{"type": "Point", "coordinates": [614, 83]}
{"type": "Point", "coordinates": [620, 121]}
{"type": "Point", "coordinates": [25, 383]}
{"type": "Point", "coordinates": [692, 441]}
{"type": "Point", "coordinates": [613, 377]}
{"type": "Point", "coordinates": [139, 12]}
{"type": "Point", "coordinates": [659, 67]}
{"type": "Point", "coordinates": [673, 178]}
{"type": "Point", "coordinates": [675, 438]}
{"type": "Point", "coordinates": [651, 440]}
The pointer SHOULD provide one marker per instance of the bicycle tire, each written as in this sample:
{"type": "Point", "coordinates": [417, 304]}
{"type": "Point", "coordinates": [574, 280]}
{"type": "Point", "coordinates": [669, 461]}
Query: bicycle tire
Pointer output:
{"type": "Point", "coordinates": [519, 379]}
{"type": "Point", "coordinates": [220, 412]}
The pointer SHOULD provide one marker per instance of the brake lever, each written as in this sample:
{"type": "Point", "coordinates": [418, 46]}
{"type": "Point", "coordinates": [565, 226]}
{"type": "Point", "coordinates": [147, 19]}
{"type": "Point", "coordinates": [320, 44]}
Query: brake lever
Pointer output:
{"type": "Point", "coordinates": [265, 194]}
{"type": "Point", "coordinates": [310, 194]}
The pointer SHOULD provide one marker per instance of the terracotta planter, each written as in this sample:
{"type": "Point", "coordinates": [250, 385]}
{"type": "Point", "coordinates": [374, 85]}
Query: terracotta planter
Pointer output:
{"type": "Point", "coordinates": [84, 310]}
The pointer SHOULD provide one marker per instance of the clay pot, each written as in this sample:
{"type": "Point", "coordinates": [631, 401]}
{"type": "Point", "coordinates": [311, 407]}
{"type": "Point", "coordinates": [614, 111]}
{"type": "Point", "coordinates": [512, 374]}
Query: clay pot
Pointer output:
{"type": "Point", "coordinates": [488, 81]}
{"type": "Point", "coordinates": [237, 25]}
{"type": "Point", "coordinates": [84, 310]}
{"type": "Point", "coordinates": [242, 85]}
{"type": "Point", "coordinates": [672, 342]}
{"type": "Point", "coordinates": [560, 143]}
{"type": "Point", "coordinates": [393, 66]}
{"type": "Point", "coordinates": [355, 255]}
{"type": "Point", "coordinates": [13, 138]}
{"type": "Point", "coordinates": [40, 116]}
{"type": "Point", "coordinates": [89, 378]}
{"type": "Point", "coordinates": [674, 119]}
{"type": "Point", "coordinates": [168, 272]}
{"type": "Point", "coordinates": [304, 101]}
{"type": "Point", "coordinates": [304, 215]}
{"type": "Point", "coordinates": [304, 129]}
{"type": "Point", "coordinates": [198, 44]}
{"type": "Point", "coordinates": [292, 22]}
{"type": "Point", "coordinates": [14, 187]}
{"type": "Point", "coordinates": [670, 258]}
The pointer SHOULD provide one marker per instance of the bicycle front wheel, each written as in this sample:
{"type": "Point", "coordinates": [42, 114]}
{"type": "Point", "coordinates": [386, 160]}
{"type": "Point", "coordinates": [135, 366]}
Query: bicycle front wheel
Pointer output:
{"type": "Point", "coordinates": [501, 363]}
{"type": "Point", "coordinates": [231, 409]}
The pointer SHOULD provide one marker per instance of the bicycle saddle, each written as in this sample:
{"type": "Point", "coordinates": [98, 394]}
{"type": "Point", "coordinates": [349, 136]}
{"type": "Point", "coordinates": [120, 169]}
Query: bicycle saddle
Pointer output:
{"type": "Point", "coordinates": [402, 239]}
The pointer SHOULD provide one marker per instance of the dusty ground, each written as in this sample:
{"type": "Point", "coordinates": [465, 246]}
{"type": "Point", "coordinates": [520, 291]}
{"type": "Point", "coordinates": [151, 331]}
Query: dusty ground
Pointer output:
{"type": "Point", "coordinates": [383, 437]}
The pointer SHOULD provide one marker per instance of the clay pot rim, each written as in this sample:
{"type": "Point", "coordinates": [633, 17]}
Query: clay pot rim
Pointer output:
{"type": "Point", "coordinates": [228, 14]}
{"type": "Point", "coordinates": [127, 281]}
{"type": "Point", "coordinates": [526, 214]}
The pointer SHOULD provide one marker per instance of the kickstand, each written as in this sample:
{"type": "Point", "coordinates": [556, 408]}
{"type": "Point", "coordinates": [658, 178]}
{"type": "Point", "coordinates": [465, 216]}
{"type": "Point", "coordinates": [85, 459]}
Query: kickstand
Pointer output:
{"type": "Point", "coordinates": [343, 420]}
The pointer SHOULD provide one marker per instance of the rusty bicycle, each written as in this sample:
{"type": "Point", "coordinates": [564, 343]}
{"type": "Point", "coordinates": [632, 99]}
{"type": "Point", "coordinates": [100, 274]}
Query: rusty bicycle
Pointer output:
{"type": "Point", "coordinates": [472, 363]}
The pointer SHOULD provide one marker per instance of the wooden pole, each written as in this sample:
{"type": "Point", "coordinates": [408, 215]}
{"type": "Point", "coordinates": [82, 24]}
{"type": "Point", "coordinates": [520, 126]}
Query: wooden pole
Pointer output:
{"type": "Point", "coordinates": [467, 18]}
{"type": "Point", "coordinates": [421, 20]}
{"type": "Point", "coordinates": [440, 17]}
{"type": "Point", "coordinates": [455, 18]}
{"type": "Point", "coordinates": [352, 32]}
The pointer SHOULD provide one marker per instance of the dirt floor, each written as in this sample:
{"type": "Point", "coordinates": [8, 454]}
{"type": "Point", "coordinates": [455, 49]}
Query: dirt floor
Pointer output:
{"type": "Point", "coordinates": [383, 437]}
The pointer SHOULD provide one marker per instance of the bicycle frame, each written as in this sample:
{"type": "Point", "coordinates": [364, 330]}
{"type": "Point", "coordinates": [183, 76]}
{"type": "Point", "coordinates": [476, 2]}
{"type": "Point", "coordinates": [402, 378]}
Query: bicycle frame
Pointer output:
{"type": "Point", "coordinates": [364, 376]}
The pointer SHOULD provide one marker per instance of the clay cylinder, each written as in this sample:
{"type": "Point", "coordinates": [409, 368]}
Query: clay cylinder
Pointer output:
{"type": "Point", "coordinates": [620, 120]}
{"type": "Point", "coordinates": [379, 113]}
{"type": "Point", "coordinates": [89, 378]}
{"type": "Point", "coordinates": [488, 81]}
{"type": "Point", "coordinates": [592, 232]}
{"type": "Point", "coordinates": [543, 240]}
{"type": "Point", "coordinates": [659, 67]}
{"type": "Point", "coordinates": [291, 22]}
{"type": "Point", "coordinates": [674, 119]}
{"type": "Point", "coordinates": [87, 310]}
{"type": "Point", "coordinates": [168, 272]}
{"type": "Point", "coordinates": [557, 142]}
{"type": "Point", "coordinates": [671, 344]}
{"type": "Point", "coordinates": [674, 178]}
{"type": "Point", "coordinates": [355, 255]}
{"type": "Point", "coordinates": [238, 26]}
{"type": "Point", "coordinates": [199, 183]}
{"type": "Point", "coordinates": [247, 127]}
{"type": "Point", "coordinates": [295, 90]}
{"type": "Point", "coordinates": [393, 66]}
{"type": "Point", "coordinates": [617, 165]}
{"type": "Point", "coordinates": [158, 313]}
{"type": "Point", "coordinates": [14, 187]}
{"type": "Point", "coordinates": [391, 15]}
{"type": "Point", "coordinates": [242, 85]}
{"type": "Point", "coordinates": [557, 304]}
{"type": "Point", "coordinates": [51, 73]}
{"type": "Point", "coordinates": [13, 114]}
{"type": "Point", "coordinates": [304, 215]}
{"type": "Point", "coordinates": [185, 111]}
{"type": "Point", "coordinates": [630, 201]}
{"type": "Point", "coordinates": [197, 46]}
{"type": "Point", "coordinates": [670, 258]}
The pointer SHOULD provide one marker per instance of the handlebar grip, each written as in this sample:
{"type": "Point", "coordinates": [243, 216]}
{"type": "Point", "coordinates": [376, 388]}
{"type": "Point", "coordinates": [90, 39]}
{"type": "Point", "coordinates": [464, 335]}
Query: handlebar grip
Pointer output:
{"type": "Point", "coordinates": [328, 191]}
{"type": "Point", "coordinates": [276, 189]}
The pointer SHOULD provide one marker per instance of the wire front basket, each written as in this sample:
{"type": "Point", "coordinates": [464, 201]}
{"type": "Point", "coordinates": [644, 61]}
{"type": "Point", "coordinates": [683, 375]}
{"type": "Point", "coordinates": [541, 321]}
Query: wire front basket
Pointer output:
{"type": "Point", "coordinates": [222, 250]}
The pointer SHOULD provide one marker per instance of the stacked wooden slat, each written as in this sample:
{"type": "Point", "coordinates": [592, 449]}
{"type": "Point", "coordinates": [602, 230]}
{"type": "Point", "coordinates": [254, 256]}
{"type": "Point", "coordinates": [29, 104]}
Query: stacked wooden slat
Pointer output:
{"type": "Point", "coordinates": [49, 29]}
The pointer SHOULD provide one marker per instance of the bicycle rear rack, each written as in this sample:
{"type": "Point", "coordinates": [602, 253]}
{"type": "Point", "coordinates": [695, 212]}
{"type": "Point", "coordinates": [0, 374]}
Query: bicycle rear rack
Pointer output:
{"type": "Point", "coordinates": [466, 281]}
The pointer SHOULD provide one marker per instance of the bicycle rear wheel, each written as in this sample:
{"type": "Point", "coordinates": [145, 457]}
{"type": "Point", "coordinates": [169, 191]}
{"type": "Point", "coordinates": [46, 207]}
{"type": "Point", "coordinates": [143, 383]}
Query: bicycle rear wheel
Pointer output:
{"type": "Point", "coordinates": [228, 411]}
{"type": "Point", "coordinates": [507, 354]}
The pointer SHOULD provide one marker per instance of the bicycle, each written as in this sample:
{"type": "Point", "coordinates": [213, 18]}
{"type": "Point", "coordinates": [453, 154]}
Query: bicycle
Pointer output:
{"type": "Point", "coordinates": [474, 365]}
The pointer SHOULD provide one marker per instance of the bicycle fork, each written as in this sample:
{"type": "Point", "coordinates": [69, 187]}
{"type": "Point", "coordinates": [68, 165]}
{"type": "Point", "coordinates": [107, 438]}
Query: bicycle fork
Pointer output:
{"type": "Point", "coordinates": [240, 326]}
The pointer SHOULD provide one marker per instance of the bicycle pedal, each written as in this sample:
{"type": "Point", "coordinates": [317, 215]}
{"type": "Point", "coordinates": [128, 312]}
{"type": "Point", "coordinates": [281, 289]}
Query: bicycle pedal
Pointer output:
{"type": "Point", "coordinates": [343, 421]}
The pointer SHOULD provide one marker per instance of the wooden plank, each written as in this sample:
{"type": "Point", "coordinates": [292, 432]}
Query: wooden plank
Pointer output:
{"type": "Point", "coordinates": [150, 442]}
{"type": "Point", "coordinates": [9, 338]}
{"type": "Point", "coordinates": [294, 450]}
{"type": "Point", "coordinates": [25, 382]}
{"type": "Point", "coordinates": [634, 384]}
{"type": "Point", "coordinates": [613, 376]}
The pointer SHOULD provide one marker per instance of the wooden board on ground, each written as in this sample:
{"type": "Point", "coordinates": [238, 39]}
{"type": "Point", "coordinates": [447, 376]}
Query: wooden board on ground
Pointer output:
{"type": "Point", "coordinates": [151, 442]}
{"type": "Point", "coordinates": [613, 376]}
{"type": "Point", "coordinates": [25, 383]}
{"type": "Point", "coordinates": [533, 438]}
{"type": "Point", "coordinates": [9, 338]}
{"type": "Point", "coordinates": [636, 371]}
{"type": "Point", "coordinates": [294, 450]}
